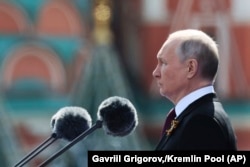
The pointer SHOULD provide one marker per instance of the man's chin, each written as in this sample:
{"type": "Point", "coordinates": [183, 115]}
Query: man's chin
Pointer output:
{"type": "Point", "coordinates": [162, 93]}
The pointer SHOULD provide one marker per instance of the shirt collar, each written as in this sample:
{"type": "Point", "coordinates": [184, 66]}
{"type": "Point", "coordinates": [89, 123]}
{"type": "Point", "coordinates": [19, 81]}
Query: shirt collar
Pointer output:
{"type": "Point", "coordinates": [191, 97]}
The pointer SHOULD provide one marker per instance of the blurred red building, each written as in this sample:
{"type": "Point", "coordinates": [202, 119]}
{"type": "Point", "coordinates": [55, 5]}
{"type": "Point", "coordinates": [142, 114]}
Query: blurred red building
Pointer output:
{"type": "Point", "coordinates": [44, 46]}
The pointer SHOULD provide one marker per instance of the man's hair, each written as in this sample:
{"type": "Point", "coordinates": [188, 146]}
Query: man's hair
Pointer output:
{"type": "Point", "coordinates": [198, 45]}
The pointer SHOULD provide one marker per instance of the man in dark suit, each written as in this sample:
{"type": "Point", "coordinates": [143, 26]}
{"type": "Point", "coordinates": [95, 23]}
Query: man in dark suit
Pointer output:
{"type": "Point", "coordinates": [185, 74]}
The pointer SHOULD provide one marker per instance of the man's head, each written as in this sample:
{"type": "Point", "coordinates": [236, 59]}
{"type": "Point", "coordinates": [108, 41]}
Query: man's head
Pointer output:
{"type": "Point", "coordinates": [188, 60]}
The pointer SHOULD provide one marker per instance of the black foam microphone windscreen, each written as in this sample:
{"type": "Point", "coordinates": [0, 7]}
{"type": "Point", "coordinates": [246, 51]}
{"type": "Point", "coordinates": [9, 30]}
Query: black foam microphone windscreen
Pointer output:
{"type": "Point", "coordinates": [70, 122]}
{"type": "Point", "coordinates": [119, 116]}
{"type": "Point", "coordinates": [67, 124]}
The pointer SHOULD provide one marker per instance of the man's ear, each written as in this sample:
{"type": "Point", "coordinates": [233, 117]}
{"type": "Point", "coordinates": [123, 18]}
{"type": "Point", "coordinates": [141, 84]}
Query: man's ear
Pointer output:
{"type": "Point", "coordinates": [192, 65]}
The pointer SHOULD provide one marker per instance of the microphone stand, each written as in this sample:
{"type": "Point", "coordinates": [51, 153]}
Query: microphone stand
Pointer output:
{"type": "Point", "coordinates": [97, 125]}
{"type": "Point", "coordinates": [37, 150]}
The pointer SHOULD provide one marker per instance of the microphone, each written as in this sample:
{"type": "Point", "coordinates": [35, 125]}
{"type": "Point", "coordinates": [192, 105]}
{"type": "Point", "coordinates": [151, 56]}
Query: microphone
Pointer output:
{"type": "Point", "coordinates": [70, 122]}
{"type": "Point", "coordinates": [116, 115]}
{"type": "Point", "coordinates": [67, 124]}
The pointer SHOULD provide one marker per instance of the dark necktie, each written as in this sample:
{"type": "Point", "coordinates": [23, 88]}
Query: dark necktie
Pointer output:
{"type": "Point", "coordinates": [171, 115]}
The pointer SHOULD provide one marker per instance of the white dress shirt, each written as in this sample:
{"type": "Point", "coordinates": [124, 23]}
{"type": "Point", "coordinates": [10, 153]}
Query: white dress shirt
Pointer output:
{"type": "Point", "coordinates": [191, 97]}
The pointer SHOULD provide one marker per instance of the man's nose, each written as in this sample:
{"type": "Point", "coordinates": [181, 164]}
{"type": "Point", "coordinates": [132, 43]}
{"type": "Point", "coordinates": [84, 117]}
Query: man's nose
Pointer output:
{"type": "Point", "coordinates": [156, 72]}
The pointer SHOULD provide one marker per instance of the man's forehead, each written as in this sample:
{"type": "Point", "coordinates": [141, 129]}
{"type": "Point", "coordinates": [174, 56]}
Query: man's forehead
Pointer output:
{"type": "Point", "coordinates": [167, 46]}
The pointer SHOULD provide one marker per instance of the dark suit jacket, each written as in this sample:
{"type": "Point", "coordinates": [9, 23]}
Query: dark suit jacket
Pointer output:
{"type": "Point", "coordinates": [203, 125]}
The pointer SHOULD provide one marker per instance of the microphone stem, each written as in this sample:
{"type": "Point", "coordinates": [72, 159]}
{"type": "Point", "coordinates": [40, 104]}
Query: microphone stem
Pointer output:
{"type": "Point", "coordinates": [36, 151]}
{"type": "Point", "coordinates": [97, 125]}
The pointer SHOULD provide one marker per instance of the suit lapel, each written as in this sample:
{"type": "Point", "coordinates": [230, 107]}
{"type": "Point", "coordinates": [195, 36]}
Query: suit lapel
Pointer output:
{"type": "Point", "coordinates": [191, 107]}
{"type": "Point", "coordinates": [162, 142]}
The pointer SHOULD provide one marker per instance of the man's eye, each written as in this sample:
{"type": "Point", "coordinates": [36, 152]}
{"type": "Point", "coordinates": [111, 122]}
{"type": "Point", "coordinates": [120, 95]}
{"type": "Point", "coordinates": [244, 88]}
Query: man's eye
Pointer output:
{"type": "Point", "coordinates": [164, 63]}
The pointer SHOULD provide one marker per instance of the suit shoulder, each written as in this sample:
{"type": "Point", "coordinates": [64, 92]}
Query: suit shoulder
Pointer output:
{"type": "Point", "coordinates": [201, 119]}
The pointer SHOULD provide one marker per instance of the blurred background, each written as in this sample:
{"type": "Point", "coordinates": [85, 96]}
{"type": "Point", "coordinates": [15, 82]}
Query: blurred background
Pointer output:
{"type": "Point", "coordinates": [57, 53]}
